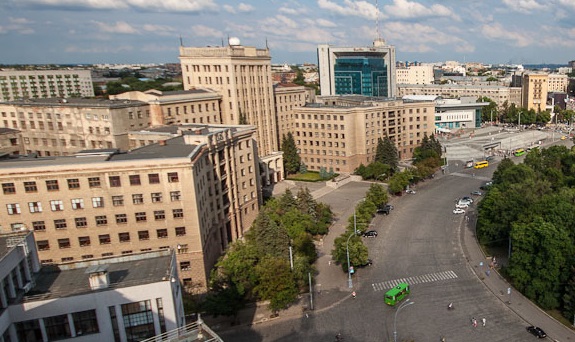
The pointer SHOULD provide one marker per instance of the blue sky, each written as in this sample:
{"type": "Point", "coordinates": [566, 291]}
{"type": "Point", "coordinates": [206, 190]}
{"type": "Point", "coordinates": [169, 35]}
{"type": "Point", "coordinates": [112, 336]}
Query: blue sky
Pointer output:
{"type": "Point", "coordinates": [148, 31]}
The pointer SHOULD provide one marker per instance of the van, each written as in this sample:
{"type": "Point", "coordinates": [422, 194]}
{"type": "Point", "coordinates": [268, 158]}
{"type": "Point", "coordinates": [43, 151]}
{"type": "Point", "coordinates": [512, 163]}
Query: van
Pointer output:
{"type": "Point", "coordinates": [481, 164]}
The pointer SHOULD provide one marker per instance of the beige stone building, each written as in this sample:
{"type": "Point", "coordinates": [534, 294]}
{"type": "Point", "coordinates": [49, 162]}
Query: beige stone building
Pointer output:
{"type": "Point", "coordinates": [10, 142]}
{"type": "Point", "coordinates": [558, 83]}
{"type": "Point", "coordinates": [534, 88]}
{"type": "Point", "coordinates": [498, 94]}
{"type": "Point", "coordinates": [242, 75]}
{"type": "Point", "coordinates": [415, 74]}
{"type": "Point", "coordinates": [33, 84]}
{"type": "Point", "coordinates": [341, 132]}
{"type": "Point", "coordinates": [195, 193]}
{"type": "Point", "coordinates": [289, 98]}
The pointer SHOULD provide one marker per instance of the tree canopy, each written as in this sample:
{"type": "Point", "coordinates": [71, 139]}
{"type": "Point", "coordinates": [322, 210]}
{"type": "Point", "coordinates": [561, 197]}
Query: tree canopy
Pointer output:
{"type": "Point", "coordinates": [292, 160]}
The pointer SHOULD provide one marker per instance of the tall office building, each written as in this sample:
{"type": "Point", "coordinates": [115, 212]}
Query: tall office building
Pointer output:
{"type": "Point", "coordinates": [534, 91]}
{"type": "Point", "coordinates": [242, 76]}
{"type": "Point", "coordinates": [368, 71]}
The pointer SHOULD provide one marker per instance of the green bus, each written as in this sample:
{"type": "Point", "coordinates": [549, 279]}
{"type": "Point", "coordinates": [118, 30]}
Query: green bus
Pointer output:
{"type": "Point", "coordinates": [519, 152]}
{"type": "Point", "coordinates": [396, 294]}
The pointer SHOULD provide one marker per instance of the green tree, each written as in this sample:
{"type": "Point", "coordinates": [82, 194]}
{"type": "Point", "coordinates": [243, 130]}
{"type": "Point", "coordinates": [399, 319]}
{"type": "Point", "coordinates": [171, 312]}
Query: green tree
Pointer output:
{"type": "Point", "coordinates": [377, 195]}
{"type": "Point", "coordinates": [276, 282]}
{"type": "Point", "coordinates": [358, 254]}
{"type": "Point", "coordinates": [223, 299]}
{"type": "Point", "coordinates": [292, 160]}
{"type": "Point", "coordinates": [267, 237]}
{"type": "Point", "coordinates": [400, 181]}
{"type": "Point", "coordinates": [387, 154]}
{"type": "Point", "coordinates": [490, 111]}
{"type": "Point", "coordinates": [237, 267]}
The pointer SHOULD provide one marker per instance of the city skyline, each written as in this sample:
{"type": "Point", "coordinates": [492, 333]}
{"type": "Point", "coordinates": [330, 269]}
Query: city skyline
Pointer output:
{"type": "Point", "coordinates": [144, 31]}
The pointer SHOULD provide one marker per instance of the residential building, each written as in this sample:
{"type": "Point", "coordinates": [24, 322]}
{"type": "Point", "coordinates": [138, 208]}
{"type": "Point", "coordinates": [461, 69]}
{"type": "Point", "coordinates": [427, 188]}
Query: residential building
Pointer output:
{"type": "Point", "coordinates": [415, 74]}
{"type": "Point", "coordinates": [195, 193]}
{"type": "Point", "coordinates": [10, 142]}
{"type": "Point", "coordinates": [498, 94]}
{"type": "Point", "coordinates": [341, 132]}
{"type": "Point", "coordinates": [33, 84]}
{"type": "Point", "coordinates": [534, 91]}
{"type": "Point", "coordinates": [558, 83]}
{"type": "Point", "coordinates": [368, 71]}
{"type": "Point", "coordinates": [242, 76]}
{"type": "Point", "coordinates": [288, 98]}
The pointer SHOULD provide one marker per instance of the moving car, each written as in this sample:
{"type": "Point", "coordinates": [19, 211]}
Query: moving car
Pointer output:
{"type": "Point", "coordinates": [462, 206]}
{"type": "Point", "coordinates": [386, 209]}
{"type": "Point", "coordinates": [537, 332]}
{"type": "Point", "coordinates": [458, 211]}
{"type": "Point", "coordinates": [477, 193]}
{"type": "Point", "coordinates": [370, 233]}
{"type": "Point", "coordinates": [410, 191]}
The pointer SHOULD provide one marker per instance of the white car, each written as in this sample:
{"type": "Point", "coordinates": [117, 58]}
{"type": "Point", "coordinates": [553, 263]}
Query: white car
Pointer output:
{"type": "Point", "coordinates": [461, 206]}
{"type": "Point", "coordinates": [410, 191]}
{"type": "Point", "coordinates": [458, 211]}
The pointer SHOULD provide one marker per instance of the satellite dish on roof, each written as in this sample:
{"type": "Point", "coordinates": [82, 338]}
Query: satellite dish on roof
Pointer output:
{"type": "Point", "coordinates": [234, 41]}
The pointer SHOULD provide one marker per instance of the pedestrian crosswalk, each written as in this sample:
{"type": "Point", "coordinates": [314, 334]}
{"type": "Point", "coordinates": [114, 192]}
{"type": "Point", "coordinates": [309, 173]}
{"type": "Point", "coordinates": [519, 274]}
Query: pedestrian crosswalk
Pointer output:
{"type": "Point", "coordinates": [426, 278]}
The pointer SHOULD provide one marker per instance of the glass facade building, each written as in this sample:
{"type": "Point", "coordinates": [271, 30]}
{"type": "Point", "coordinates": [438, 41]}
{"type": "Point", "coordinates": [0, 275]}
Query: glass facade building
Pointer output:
{"type": "Point", "coordinates": [361, 75]}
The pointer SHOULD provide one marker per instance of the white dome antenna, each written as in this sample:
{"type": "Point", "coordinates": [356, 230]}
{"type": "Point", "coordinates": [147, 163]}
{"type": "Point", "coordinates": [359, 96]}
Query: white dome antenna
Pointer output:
{"type": "Point", "coordinates": [234, 41]}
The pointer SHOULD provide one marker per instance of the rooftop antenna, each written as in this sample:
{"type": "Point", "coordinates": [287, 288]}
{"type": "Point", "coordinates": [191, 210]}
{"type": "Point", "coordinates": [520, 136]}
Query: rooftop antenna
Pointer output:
{"type": "Point", "coordinates": [181, 41]}
{"type": "Point", "coordinates": [377, 21]}
{"type": "Point", "coordinates": [267, 43]}
{"type": "Point", "coordinates": [223, 40]}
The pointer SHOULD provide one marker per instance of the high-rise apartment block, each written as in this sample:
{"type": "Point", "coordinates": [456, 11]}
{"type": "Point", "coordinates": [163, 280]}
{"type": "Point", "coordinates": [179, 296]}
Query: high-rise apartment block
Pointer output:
{"type": "Point", "coordinates": [242, 75]}
{"type": "Point", "coordinates": [415, 74]}
{"type": "Point", "coordinates": [368, 71]}
{"type": "Point", "coordinates": [534, 88]}
{"type": "Point", "coordinates": [33, 84]}
{"type": "Point", "coordinates": [195, 193]}
{"type": "Point", "coordinates": [289, 98]}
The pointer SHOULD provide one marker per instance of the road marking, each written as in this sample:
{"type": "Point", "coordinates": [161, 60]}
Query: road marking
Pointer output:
{"type": "Point", "coordinates": [426, 278]}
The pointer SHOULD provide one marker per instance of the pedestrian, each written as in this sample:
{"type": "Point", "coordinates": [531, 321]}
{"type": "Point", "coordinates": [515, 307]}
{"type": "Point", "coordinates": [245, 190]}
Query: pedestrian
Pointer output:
{"type": "Point", "coordinates": [483, 321]}
{"type": "Point", "coordinates": [353, 294]}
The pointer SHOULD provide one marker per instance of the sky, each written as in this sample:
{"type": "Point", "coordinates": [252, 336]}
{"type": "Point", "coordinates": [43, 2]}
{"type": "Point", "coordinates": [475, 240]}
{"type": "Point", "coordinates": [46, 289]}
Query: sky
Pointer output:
{"type": "Point", "coordinates": [150, 31]}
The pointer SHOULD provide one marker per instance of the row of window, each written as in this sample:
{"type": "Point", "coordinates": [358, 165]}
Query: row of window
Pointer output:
{"type": "Point", "coordinates": [102, 220]}
{"type": "Point", "coordinates": [105, 239]}
{"type": "Point", "coordinates": [58, 327]}
{"type": "Point", "coordinates": [181, 249]}
{"type": "Point", "coordinates": [93, 182]}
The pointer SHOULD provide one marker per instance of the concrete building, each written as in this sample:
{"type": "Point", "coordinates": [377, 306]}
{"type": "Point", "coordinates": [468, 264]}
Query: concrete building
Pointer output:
{"type": "Point", "coordinates": [194, 193]}
{"type": "Point", "coordinates": [558, 83]}
{"type": "Point", "coordinates": [242, 76]}
{"type": "Point", "coordinates": [534, 88]}
{"type": "Point", "coordinates": [368, 71]}
{"type": "Point", "coordinates": [498, 94]}
{"type": "Point", "coordinates": [33, 84]}
{"type": "Point", "coordinates": [289, 98]}
{"type": "Point", "coordinates": [415, 74]}
{"type": "Point", "coordinates": [453, 114]}
{"type": "Point", "coordinates": [341, 132]}
{"type": "Point", "coordinates": [10, 142]}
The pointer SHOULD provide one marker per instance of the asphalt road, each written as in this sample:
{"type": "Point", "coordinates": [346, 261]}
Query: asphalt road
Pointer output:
{"type": "Point", "coordinates": [421, 243]}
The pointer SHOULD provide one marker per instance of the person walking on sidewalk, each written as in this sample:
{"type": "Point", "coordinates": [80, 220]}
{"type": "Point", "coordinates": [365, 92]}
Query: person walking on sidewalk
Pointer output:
{"type": "Point", "coordinates": [353, 294]}
{"type": "Point", "coordinates": [483, 321]}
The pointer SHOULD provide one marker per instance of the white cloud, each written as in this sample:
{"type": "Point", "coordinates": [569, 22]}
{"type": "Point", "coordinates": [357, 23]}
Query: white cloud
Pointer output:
{"type": "Point", "coordinates": [205, 31]}
{"type": "Point", "coordinates": [99, 49]}
{"type": "Point", "coordinates": [423, 38]}
{"type": "Point", "coordinates": [292, 11]}
{"type": "Point", "coordinates": [229, 9]}
{"type": "Point", "coordinates": [148, 5]}
{"type": "Point", "coordinates": [158, 29]}
{"type": "Point", "coordinates": [281, 22]}
{"type": "Point", "coordinates": [241, 31]}
{"type": "Point", "coordinates": [362, 9]}
{"type": "Point", "coordinates": [19, 21]}
{"type": "Point", "coordinates": [495, 31]}
{"type": "Point", "coordinates": [245, 7]}
{"type": "Point", "coordinates": [405, 9]}
{"type": "Point", "coordinates": [119, 27]}
{"type": "Point", "coordinates": [524, 6]}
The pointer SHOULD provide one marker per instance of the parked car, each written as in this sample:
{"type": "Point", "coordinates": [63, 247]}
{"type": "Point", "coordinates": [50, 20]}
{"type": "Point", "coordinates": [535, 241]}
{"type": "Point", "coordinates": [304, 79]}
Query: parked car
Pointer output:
{"type": "Point", "coordinates": [386, 209]}
{"type": "Point", "coordinates": [477, 193]}
{"type": "Point", "coordinates": [369, 262]}
{"type": "Point", "coordinates": [370, 233]}
{"type": "Point", "coordinates": [458, 211]}
{"type": "Point", "coordinates": [463, 202]}
{"type": "Point", "coordinates": [467, 198]}
{"type": "Point", "coordinates": [410, 191]}
{"type": "Point", "coordinates": [486, 185]}
{"type": "Point", "coordinates": [462, 206]}
{"type": "Point", "coordinates": [537, 332]}
{"type": "Point", "coordinates": [489, 158]}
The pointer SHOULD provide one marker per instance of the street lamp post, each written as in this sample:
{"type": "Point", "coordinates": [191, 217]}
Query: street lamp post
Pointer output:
{"type": "Point", "coordinates": [349, 281]}
{"type": "Point", "coordinates": [404, 304]}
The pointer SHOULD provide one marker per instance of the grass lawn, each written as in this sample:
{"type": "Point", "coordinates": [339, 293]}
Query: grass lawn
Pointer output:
{"type": "Point", "coordinates": [306, 177]}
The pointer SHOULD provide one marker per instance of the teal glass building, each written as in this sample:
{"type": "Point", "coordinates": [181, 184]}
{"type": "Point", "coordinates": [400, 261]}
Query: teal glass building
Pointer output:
{"type": "Point", "coordinates": [361, 75]}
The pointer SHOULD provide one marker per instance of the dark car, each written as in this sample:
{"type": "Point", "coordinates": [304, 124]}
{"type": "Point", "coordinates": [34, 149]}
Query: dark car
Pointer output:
{"type": "Point", "coordinates": [370, 233]}
{"type": "Point", "coordinates": [537, 332]}
{"type": "Point", "coordinates": [386, 209]}
{"type": "Point", "coordinates": [488, 158]}
{"type": "Point", "coordinates": [367, 263]}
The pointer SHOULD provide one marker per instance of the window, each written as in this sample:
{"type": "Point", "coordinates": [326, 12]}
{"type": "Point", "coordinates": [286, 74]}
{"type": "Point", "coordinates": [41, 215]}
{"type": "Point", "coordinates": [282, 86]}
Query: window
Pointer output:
{"type": "Point", "coordinates": [73, 183]}
{"type": "Point", "coordinates": [175, 195]}
{"type": "Point", "coordinates": [57, 205]}
{"type": "Point", "coordinates": [77, 203]}
{"type": "Point", "coordinates": [60, 224]}
{"type": "Point", "coordinates": [121, 218]}
{"type": "Point", "coordinates": [84, 241]}
{"type": "Point", "coordinates": [104, 239]}
{"type": "Point", "coordinates": [124, 237]}
{"type": "Point", "coordinates": [8, 188]}
{"type": "Point", "coordinates": [185, 266]}
{"type": "Point", "coordinates": [162, 233]}
{"type": "Point", "coordinates": [57, 327]}
{"type": "Point", "coordinates": [143, 235]}
{"type": "Point", "coordinates": [43, 245]}
{"type": "Point", "coordinates": [52, 185]}
{"type": "Point", "coordinates": [115, 181]}
{"type": "Point", "coordinates": [180, 231]}
{"type": "Point", "coordinates": [39, 226]}
{"type": "Point", "coordinates": [182, 248]}
{"type": "Point", "coordinates": [35, 207]}
{"type": "Point", "coordinates": [13, 208]}
{"type": "Point", "coordinates": [138, 199]}
{"type": "Point", "coordinates": [85, 322]}
{"type": "Point", "coordinates": [117, 201]}
{"type": "Point", "coordinates": [138, 320]}
{"type": "Point", "coordinates": [94, 182]}
{"type": "Point", "coordinates": [178, 213]}
{"type": "Point", "coordinates": [101, 220]}
{"type": "Point", "coordinates": [81, 222]}
{"type": "Point", "coordinates": [173, 177]}
{"type": "Point", "coordinates": [159, 214]}
{"type": "Point", "coordinates": [141, 217]}
{"type": "Point", "coordinates": [30, 187]}
{"type": "Point", "coordinates": [135, 180]}
{"type": "Point", "coordinates": [156, 197]}
{"type": "Point", "coordinates": [64, 243]}
{"type": "Point", "coordinates": [154, 178]}
{"type": "Point", "coordinates": [98, 202]}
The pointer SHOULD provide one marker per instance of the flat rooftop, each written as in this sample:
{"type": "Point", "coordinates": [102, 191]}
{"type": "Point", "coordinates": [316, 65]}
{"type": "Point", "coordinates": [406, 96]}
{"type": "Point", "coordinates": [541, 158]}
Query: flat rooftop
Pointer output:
{"type": "Point", "coordinates": [58, 281]}
{"type": "Point", "coordinates": [76, 102]}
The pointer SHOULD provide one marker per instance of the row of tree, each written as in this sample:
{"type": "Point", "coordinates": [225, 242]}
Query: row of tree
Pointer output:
{"type": "Point", "coordinates": [531, 206]}
{"type": "Point", "coordinates": [517, 115]}
{"type": "Point", "coordinates": [259, 267]}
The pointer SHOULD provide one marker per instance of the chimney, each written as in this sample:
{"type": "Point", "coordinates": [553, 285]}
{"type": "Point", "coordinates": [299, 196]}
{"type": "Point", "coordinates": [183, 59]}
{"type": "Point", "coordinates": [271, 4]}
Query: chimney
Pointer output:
{"type": "Point", "coordinates": [98, 277]}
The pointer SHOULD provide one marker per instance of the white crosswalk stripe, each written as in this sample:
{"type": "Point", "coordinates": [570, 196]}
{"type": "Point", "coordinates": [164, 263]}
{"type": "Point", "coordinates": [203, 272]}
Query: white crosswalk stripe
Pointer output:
{"type": "Point", "coordinates": [425, 278]}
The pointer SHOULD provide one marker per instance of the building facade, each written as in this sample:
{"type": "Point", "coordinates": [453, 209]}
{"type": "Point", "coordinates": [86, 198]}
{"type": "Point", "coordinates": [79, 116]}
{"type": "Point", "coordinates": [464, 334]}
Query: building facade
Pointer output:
{"type": "Point", "coordinates": [33, 84]}
{"type": "Point", "coordinates": [368, 71]}
{"type": "Point", "coordinates": [340, 133]}
{"type": "Point", "coordinates": [194, 193]}
{"type": "Point", "coordinates": [288, 99]}
{"type": "Point", "coordinates": [534, 88]}
{"type": "Point", "coordinates": [415, 74]}
{"type": "Point", "coordinates": [558, 83]}
{"type": "Point", "coordinates": [498, 94]}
